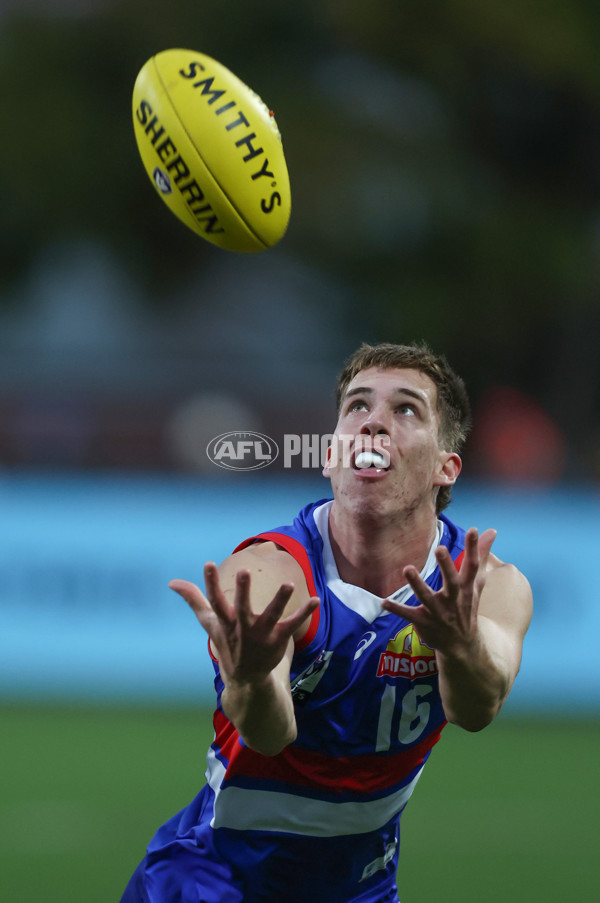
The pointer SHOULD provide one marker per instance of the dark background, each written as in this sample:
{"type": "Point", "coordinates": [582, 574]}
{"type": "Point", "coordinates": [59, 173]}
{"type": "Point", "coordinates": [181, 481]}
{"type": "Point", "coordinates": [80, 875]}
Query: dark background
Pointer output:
{"type": "Point", "coordinates": [444, 163]}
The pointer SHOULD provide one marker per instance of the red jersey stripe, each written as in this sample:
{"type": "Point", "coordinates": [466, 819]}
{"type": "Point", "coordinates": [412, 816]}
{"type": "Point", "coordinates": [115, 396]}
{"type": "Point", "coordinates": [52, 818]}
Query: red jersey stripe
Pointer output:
{"type": "Point", "coordinates": [459, 560]}
{"type": "Point", "coordinates": [227, 738]}
{"type": "Point", "coordinates": [308, 768]}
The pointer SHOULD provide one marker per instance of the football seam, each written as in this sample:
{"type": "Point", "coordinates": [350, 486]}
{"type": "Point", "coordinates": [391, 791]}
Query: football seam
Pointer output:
{"type": "Point", "coordinates": [208, 168]}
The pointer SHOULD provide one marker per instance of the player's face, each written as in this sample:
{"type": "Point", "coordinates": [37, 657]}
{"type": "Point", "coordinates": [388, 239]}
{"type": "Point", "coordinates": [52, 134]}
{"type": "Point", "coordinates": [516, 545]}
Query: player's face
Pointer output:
{"type": "Point", "coordinates": [386, 450]}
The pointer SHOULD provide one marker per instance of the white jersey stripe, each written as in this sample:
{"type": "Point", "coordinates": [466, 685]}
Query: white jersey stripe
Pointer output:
{"type": "Point", "coordinates": [265, 810]}
{"type": "Point", "coordinates": [215, 771]}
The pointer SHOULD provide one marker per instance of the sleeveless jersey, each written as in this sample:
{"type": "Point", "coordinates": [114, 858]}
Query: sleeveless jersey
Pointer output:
{"type": "Point", "coordinates": [319, 822]}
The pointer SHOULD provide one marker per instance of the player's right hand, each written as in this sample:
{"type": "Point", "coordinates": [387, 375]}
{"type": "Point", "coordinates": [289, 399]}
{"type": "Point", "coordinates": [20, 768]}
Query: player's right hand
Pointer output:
{"type": "Point", "coordinates": [248, 645]}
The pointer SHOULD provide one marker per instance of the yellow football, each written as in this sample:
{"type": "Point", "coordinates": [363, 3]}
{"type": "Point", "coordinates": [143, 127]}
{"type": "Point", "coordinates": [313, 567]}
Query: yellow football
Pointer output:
{"type": "Point", "coordinates": [212, 149]}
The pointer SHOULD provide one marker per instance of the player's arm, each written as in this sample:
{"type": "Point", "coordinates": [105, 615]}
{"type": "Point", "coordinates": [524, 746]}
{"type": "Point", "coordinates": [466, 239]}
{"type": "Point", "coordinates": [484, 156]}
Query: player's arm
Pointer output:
{"type": "Point", "coordinates": [476, 676]}
{"type": "Point", "coordinates": [476, 623]}
{"type": "Point", "coordinates": [243, 614]}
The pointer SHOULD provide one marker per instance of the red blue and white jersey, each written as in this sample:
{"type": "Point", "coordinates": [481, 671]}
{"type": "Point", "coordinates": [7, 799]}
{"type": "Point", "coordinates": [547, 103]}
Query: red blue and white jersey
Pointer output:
{"type": "Point", "coordinates": [318, 822]}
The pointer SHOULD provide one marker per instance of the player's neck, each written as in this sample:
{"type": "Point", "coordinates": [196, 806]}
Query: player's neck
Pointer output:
{"type": "Point", "coordinates": [373, 555]}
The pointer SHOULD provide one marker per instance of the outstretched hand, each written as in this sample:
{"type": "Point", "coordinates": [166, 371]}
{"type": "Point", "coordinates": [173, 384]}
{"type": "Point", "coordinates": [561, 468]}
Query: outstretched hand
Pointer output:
{"type": "Point", "coordinates": [446, 620]}
{"type": "Point", "coordinates": [249, 645]}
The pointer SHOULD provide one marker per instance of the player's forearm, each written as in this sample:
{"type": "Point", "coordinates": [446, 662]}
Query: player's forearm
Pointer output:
{"type": "Point", "coordinates": [262, 713]}
{"type": "Point", "coordinates": [474, 682]}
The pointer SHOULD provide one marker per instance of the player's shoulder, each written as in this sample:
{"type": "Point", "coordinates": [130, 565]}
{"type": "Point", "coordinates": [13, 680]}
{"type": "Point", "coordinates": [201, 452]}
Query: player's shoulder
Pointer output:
{"type": "Point", "coordinates": [505, 570]}
{"type": "Point", "coordinates": [269, 566]}
{"type": "Point", "coordinates": [507, 593]}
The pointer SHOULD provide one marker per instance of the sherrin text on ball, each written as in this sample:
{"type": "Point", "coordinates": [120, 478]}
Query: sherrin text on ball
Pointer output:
{"type": "Point", "coordinates": [212, 149]}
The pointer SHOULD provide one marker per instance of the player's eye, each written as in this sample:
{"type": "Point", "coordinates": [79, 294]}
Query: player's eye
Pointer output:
{"type": "Point", "coordinates": [407, 409]}
{"type": "Point", "coordinates": [357, 405]}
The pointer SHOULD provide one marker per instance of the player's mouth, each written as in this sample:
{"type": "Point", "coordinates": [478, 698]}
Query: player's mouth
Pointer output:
{"type": "Point", "coordinates": [371, 463]}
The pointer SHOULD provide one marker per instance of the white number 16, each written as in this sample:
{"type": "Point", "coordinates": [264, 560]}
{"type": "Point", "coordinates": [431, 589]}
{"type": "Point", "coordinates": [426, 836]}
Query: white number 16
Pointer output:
{"type": "Point", "coordinates": [413, 719]}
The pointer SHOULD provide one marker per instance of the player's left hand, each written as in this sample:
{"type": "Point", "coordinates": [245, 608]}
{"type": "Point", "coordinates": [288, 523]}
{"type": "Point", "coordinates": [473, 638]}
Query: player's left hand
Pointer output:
{"type": "Point", "coordinates": [446, 620]}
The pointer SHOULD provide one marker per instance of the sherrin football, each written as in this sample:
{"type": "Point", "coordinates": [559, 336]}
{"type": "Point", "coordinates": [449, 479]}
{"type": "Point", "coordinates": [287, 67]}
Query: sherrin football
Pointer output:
{"type": "Point", "coordinates": [213, 150]}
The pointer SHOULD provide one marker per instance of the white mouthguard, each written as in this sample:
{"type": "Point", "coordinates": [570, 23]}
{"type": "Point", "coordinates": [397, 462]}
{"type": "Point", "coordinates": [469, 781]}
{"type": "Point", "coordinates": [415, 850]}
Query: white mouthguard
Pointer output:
{"type": "Point", "coordinates": [370, 459]}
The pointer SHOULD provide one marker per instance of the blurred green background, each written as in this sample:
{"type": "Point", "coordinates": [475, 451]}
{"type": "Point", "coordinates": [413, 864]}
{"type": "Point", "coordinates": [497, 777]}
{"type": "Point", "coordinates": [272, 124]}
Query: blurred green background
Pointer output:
{"type": "Point", "coordinates": [445, 168]}
{"type": "Point", "coordinates": [510, 813]}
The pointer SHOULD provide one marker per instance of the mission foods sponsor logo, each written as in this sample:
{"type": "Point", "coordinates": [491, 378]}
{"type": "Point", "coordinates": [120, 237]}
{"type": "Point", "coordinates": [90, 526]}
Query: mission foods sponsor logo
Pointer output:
{"type": "Point", "coordinates": [242, 451]}
{"type": "Point", "coordinates": [407, 656]}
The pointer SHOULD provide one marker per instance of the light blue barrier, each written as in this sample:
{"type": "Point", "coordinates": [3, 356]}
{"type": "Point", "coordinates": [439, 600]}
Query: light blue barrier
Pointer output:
{"type": "Point", "coordinates": [85, 612]}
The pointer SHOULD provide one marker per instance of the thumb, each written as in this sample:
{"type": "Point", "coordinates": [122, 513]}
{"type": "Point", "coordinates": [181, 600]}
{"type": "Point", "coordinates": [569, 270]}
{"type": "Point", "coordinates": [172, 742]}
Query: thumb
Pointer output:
{"type": "Point", "coordinates": [190, 593]}
{"type": "Point", "coordinates": [486, 540]}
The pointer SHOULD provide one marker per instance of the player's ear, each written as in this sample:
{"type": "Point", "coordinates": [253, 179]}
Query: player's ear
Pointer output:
{"type": "Point", "coordinates": [450, 467]}
{"type": "Point", "coordinates": [326, 467]}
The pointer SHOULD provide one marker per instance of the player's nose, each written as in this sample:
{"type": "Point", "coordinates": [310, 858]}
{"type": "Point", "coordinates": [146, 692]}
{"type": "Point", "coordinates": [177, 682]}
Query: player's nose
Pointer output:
{"type": "Point", "coordinates": [375, 424]}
